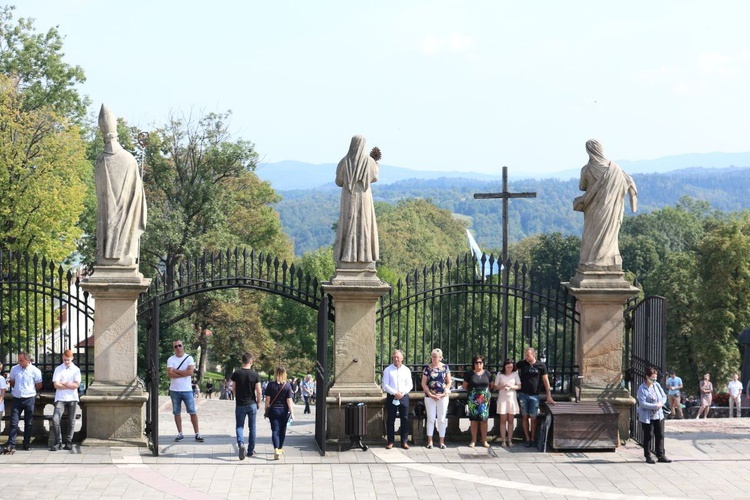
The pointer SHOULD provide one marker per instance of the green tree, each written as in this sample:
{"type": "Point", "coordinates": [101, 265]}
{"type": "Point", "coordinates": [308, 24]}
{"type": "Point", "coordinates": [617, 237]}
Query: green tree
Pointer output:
{"type": "Point", "coordinates": [43, 174]}
{"type": "Point", "coordinates": [35, 60]}
{"type": "Point", "coordinates": [417, 233]}
{"type": "Point", "coordinates": [203, 195]}
{"type": "Point", "coordinates": [554, 259]}
{"type": "Point", "coordinates": [724, 308]}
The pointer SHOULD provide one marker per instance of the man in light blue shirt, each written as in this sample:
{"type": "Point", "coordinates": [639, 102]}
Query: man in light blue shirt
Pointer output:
{"type": "Point", "coordinates": [25, 379]}
{"type": "Point", "coordinates": [674, 384]}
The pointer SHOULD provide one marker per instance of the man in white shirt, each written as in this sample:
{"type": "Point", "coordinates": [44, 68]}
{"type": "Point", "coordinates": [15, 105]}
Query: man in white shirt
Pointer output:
{"type": "Point", "coordinates": [735, 395]}
{"type": "Point", "coordinates": [24, 379]}
{"type": "Point", "coordinates": [397, 384]}
{"type": "Point", "coordinates": [180, 368]}
{"type": "Point", "coordinates": [67, 380]}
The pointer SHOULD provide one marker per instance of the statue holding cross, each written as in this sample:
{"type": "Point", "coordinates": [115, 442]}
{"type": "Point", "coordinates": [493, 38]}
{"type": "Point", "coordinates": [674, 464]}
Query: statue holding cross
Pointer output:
{"type": "Point", "coordinates": [505, 195]}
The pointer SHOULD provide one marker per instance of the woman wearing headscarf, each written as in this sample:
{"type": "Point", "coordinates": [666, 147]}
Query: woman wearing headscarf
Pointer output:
{"type": "Point", "coordinates": [357, 230]}
{"type": "Point", "coordinates": [478, 383]}
{"type": "Point", "coordinates": [436, 383]}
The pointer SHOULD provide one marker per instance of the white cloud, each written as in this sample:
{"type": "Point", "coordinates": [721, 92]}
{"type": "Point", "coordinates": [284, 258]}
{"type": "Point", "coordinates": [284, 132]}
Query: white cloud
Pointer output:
{"type": "Point", "coordinates": [716, 64]}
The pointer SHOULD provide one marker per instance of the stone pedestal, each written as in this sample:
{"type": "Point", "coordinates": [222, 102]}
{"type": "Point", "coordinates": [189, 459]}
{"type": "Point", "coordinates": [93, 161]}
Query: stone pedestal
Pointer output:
{"type": "Point", "coordinates": [115, 402]}
{"type": "Point", "coordinates": [601, 297]}
{"type": "Point", "coordinates": [355, 291]}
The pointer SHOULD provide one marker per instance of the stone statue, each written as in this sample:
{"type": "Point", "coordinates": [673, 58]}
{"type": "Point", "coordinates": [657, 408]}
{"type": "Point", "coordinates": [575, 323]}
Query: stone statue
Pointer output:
{"type": "Point", "coordinates": [121, 211]}
{"type": "Point", "coordinates": [357, 232]}
{"type": "Point", "coordinates": [603, 207]}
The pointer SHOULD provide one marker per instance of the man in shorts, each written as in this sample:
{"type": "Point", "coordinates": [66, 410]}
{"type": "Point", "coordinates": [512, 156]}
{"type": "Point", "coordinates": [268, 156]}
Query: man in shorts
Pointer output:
{"type": "Point", "coordinates": [531, 371]}
{"type": "Point", "coordinates": [674, 384]}
{"type": "Point", "coordinates": [180, 368]}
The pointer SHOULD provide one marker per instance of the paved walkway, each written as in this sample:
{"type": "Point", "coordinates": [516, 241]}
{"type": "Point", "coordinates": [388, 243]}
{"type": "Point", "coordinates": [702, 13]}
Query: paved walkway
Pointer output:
{"type": "Point", "coordinates": [711, 460]}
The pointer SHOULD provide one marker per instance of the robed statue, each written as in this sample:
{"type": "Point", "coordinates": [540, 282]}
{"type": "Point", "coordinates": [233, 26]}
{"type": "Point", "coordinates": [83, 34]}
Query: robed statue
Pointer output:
{"type": "Point", "coordinates": [121, 202]}
{"type": "Point", "coordinates": [357, 230]}
{"type": "Point", "coordinates": [602, 204]}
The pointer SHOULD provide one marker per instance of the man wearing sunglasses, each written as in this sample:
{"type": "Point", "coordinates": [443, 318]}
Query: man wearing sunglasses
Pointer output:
{"type": "Point", "coordinates": [180, 368]}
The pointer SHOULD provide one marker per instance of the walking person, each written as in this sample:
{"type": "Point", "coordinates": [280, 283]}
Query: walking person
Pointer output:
{"type": "Point", "coordinates": [180, 369]}
{"type": "Point", "coordinates": [279, 409]}
{"type": "Point", "coordinates": [308, 389]}
{"type": "Point", "coordinates": [706, 392]}
{"type": "Point", "coordinates": [651, 399]}
{"type": "Point", "coordinates": [735, 396]}
{"type": "Point", "coordinates": [25, 380]}
{"type": "Point", "coordinates": [397, 384]}
{"type": "Point", "coordinates": [478, 384]}
{"type": "Point", "coordinates": [67, 380]}
{"type": "Point", "coordinates": [507, 382]}
{"type": "Point", "coordinates": [436, 383]}
{"type": "Point", "coordinates": [531, 371]}
{"type": "Point", "coordinates": [246, 392]}
{"type": "Point", "coordinates": [674, 384]}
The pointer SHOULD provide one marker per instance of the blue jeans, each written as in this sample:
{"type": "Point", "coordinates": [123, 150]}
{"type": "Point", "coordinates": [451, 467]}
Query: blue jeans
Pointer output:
{"type": "Point", "coordinates": [529, 404]}
{"type": "Point", "coordinates": [178, 397]}
{"type": "Point", "coordinates": [25, 405]}
{"type": "Point", "coordinates": [278, 418]}
{"type": "Point", "coordinates": [240, 412]}
{"type": "Point", "coordinates": [60, 407]}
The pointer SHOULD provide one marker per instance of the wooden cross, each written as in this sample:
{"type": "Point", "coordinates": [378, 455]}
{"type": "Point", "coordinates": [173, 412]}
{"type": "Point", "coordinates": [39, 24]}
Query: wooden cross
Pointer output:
{"type": "Point", "coordinates": [505, 195]}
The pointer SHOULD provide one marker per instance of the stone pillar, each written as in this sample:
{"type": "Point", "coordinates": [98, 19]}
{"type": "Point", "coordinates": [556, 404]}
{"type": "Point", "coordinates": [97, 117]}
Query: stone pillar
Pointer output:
{"type": "Point", "coordinates": [355, 290]}
{"type": "Point", "coordinates": [114, 403]}
{"type": "Point", "coordinates": [601, 297]}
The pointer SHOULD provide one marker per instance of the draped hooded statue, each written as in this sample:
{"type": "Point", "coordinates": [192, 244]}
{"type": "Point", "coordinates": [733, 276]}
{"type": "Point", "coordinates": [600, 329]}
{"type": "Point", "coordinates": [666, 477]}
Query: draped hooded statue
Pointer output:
{"type": "Point", "coordinates": [602, 205]}
{"type": "Point", "coordinates": [357, 231]}
{"type": "Point", "coordinates": [121, 202]}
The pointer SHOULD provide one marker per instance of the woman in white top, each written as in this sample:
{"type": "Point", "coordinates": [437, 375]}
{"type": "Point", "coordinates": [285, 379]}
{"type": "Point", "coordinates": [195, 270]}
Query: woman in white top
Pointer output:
{"type": "Point", "coordinates": [507, 382]}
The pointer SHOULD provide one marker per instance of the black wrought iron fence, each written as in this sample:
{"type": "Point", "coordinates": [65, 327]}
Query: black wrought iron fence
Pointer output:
{"type": "Point", "coordinates": [44, 312]}
{"type": "Point", "coordinates": [468, 306]}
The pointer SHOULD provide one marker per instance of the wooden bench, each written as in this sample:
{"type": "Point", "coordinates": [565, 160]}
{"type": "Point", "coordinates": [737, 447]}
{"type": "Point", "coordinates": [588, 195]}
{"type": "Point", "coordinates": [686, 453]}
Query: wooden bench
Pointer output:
{"type": "Point", "coordinates": [590, 425]}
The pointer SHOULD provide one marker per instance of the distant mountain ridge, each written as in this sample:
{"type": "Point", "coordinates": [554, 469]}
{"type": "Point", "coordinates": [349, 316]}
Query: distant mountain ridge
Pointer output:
{"type": "Point", "coordinates": [290, 175]}
{"type": "Point", "coordinates": [308, 214]}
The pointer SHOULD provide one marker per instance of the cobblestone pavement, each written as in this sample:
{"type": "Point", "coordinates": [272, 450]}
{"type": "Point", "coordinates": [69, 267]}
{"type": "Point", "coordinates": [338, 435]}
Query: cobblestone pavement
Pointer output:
{"type": "Point", "coordinates": [711, 460]}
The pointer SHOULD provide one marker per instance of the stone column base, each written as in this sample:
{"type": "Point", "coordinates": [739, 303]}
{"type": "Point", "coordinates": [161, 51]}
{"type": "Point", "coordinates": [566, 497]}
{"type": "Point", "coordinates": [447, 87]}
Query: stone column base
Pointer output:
{"type": "Point", "coordinates": [620, 399]}
{"type": "Point", "coordinates": [114, 414]}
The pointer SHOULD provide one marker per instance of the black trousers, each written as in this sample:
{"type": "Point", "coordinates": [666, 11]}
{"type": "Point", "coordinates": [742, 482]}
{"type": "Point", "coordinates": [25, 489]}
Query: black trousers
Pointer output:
{"type": "Point", "coordinates": [403, 411]}
{"type": "Point", "coordinates": [656, 429]}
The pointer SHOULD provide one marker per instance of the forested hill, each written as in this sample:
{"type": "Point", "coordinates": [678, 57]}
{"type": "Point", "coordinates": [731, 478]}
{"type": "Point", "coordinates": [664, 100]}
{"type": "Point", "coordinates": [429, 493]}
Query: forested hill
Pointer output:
{"type": "Point", "coordinates": [308, 215]}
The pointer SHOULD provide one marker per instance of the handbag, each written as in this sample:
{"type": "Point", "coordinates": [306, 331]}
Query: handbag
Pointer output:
{"type": "Point", "coordinates": [268, 408]}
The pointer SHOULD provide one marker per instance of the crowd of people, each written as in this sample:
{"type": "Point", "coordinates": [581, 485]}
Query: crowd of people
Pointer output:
{"type": "Point", "coordinates": [518, 384]}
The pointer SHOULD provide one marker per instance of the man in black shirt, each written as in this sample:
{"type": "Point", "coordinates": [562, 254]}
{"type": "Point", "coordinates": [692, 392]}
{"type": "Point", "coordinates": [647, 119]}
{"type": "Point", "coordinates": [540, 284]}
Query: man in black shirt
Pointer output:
{"type": "Point", "coordinates": [531, 371]}
{"type": "Point", "coordinates": [246, 390]}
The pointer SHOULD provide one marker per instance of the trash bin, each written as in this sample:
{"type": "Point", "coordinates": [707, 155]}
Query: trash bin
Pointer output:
{"type": "Point", "coordinates": [355, 423]}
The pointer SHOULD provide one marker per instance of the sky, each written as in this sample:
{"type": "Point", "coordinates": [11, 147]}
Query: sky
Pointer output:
{"type": "Point", "coordinates": [435, 84]}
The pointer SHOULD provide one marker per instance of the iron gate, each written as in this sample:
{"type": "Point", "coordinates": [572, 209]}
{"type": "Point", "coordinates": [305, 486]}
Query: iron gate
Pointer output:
{"type": "Point", "coordinates": [214, 271]}
{"type": "Point", "coordinates": [469, 306]}
{"type": "Point", "coordinates": [645, 346]}
{"type": "Point", "coordinates": [321, 376]}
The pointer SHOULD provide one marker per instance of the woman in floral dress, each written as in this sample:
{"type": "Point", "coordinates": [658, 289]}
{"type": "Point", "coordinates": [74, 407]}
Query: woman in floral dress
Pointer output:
{"type": "Point", "coordinates": [478, 383]}
{"type": "Point", "coordinates": [436, 383]}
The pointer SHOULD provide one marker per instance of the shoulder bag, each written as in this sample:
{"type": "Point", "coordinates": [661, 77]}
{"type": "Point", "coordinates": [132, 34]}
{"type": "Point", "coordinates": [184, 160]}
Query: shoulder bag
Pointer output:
{"type": "Point", "coordinates": [268, 408]}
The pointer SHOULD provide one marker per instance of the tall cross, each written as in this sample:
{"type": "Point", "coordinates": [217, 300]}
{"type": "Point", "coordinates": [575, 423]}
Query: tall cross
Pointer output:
{"type": "Point", "coordinates": [505, 195]}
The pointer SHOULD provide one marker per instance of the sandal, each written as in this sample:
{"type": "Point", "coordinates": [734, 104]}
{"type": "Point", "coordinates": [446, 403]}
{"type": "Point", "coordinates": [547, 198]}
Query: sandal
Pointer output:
{"type": "Point", "coordinates": [442, 447]}
{"type": "Point", "coordinates": [429, 446]}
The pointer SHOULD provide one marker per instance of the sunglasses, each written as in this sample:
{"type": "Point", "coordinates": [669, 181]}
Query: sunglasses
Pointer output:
{"type": "Point", "coordinates": [479, 362]}
{"type": "Point", "coordinates": [176, 346]}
